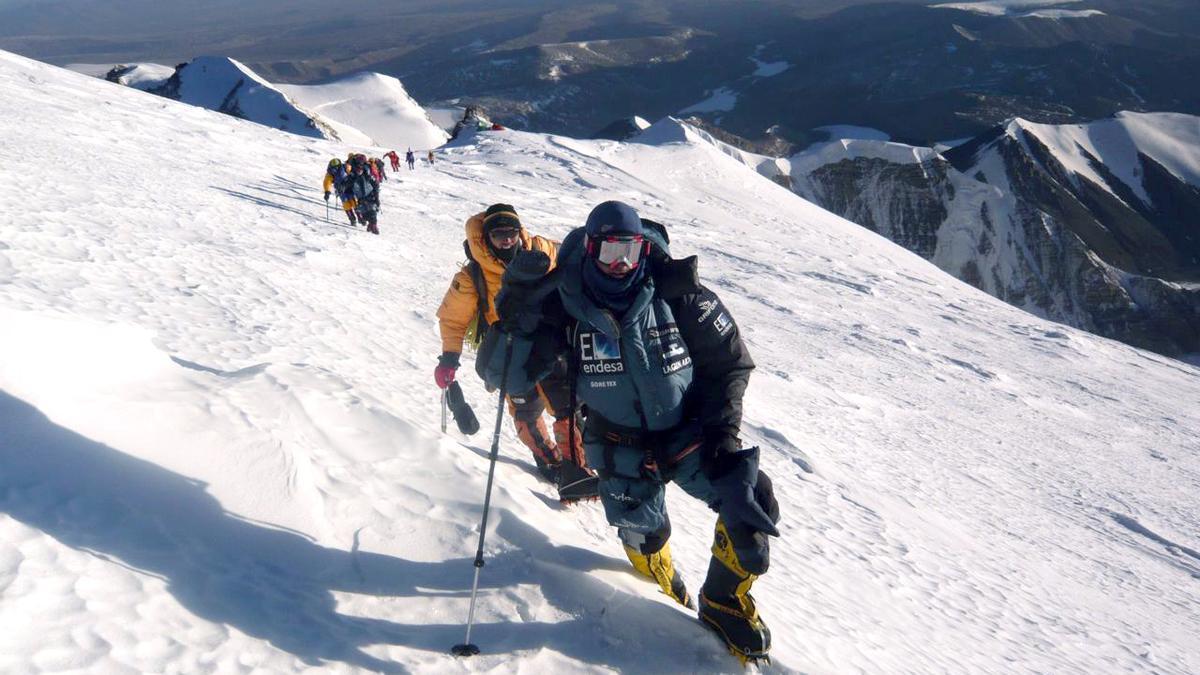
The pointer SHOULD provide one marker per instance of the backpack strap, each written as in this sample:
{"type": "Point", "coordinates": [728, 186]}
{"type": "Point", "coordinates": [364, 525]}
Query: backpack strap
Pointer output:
{"type": "Point", "coordinates": [480, 282]}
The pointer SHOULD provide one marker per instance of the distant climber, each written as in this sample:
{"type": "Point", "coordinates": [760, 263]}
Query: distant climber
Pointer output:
{"type": "Point", "coordinates": [364, 192]}
{"type": "Point", "coordinates": [336, 182]}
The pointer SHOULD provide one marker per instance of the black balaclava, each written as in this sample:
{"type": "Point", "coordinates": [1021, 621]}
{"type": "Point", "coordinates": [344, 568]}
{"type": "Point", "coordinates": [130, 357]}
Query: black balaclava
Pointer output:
{"type": "Point", "coordinates": [500, 216]}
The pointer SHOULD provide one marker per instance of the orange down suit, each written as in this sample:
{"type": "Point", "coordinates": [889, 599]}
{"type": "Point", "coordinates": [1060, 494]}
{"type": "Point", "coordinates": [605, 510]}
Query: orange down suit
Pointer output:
{"type": "Point", "coordinates": [461, 302]}
{"type": "Point", "coordinates": [458, 309]}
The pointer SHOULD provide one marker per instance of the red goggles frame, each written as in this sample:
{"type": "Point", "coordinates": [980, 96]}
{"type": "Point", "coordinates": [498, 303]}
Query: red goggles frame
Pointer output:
{"type": "Point", "coordinates": [617, 252]}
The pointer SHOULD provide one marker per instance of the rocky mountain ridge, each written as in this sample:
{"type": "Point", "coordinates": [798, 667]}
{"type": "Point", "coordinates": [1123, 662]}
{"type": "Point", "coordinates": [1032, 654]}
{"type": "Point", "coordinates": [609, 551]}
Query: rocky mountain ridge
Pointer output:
{"type": "Point", "coordinates": [1029, 214]}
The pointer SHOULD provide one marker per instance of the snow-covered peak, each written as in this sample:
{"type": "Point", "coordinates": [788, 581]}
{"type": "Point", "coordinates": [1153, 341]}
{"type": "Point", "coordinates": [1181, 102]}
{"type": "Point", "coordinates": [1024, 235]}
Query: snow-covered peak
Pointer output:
{"type": "Point", "coordinates": [829, 152]}
{"type": "Point", "coordinates": [142, 76]}
{"type": "Point", "coordinates": [623, 129]}
{"type": "Point", "coordinates": [375, 104]}
{"type": "Point", "coordinates": [671, 130]}
{"type": "Point", "coordinates": [227, 85]}
{"type": "Point", "coordinates": [219, 444]}
{"type": "Point", "coordinates": [1170, 139]}
{"type": "Point", "coordinates": [206, 80]}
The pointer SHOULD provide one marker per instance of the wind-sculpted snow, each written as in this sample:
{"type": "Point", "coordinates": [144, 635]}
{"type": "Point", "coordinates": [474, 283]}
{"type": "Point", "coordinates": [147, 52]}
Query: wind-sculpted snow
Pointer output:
{"type": "Point", "coordinates": [374, 104]}
{"type": "Point", "coordinates": [219, 444]}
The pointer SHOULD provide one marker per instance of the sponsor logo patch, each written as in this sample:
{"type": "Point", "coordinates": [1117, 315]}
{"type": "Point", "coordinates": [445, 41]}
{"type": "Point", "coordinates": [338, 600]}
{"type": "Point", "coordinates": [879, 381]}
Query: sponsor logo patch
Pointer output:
{"type": "Point", "coordinates": [676, 365]}
{"type": "Point", "coordinates": [723, 323]}
{"type": "Point", "coordinates": [675, 355]}
{"type": "Point", "coordinates": [707, 307]}
{"type": "Point", "coordinates": [600, 354]}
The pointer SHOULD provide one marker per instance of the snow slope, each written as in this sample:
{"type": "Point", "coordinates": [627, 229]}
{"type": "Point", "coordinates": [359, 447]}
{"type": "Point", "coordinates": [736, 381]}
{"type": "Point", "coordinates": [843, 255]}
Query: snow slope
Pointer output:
{"type": "Point", "coordinates": [219, 443]}
{"type": "Point", "coordinates": [376, 105]}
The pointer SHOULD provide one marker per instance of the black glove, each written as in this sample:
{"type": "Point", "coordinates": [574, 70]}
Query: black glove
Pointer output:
{"type": "Point", "coordinates": [525, 285]}
{"type": "Point", "coordinates": [719, 453]}
{"type": "Point", "coordinates": [735, 492]}
{"type": "Point", "coordinates": [327, 195]}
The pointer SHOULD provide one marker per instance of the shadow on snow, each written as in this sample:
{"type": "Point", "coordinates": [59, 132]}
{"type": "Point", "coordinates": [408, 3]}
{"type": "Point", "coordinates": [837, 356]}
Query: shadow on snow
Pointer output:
{"type": "Point", "coordinates": [278, 585]}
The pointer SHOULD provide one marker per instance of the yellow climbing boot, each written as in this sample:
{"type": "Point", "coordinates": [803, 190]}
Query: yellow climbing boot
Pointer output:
{"type": "Point", "coordinates": [657, 567]}
{"type": "Point", "coordinates": [726, 605]}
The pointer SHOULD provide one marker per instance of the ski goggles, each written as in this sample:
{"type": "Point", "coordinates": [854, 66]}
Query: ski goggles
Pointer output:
{"type": "Point", "coordinates": [502, 236]}
{"type": "Point", "coordinates": [620, 253]}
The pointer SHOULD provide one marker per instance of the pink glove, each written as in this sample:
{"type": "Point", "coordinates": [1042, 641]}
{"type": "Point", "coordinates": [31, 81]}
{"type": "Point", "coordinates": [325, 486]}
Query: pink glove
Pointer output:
{"type": "Point", "coordinates": [444, 375]}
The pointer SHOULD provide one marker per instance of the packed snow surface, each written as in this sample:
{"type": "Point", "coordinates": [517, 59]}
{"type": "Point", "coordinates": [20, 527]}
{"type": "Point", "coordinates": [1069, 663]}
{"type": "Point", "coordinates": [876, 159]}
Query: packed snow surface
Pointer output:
{"type": "Point", "coordinates": [220, 450]}
{"type": "Point", "coordinates": [376, 105]}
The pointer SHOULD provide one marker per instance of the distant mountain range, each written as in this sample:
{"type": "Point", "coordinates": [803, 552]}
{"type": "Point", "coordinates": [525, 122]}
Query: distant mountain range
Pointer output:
{"type": "Point", "coordinates": [1094, 225]}
{"type": "Point", "coordinates": [772, 71]}
{"type": "Point", "coordinates": [922, 72]}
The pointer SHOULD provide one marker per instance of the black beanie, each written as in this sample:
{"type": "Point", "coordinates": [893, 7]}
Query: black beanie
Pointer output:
{"type": "Point", "coordinates": [500, 215]}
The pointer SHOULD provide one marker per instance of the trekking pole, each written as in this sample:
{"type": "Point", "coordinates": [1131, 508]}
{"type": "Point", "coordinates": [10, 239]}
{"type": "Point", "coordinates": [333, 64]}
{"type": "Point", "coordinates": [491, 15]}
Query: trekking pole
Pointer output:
{"type": "Point", "coordinates": [445, 402]}
{"type": "Point", "coordinates": [327, 212]}
{"type": "Point", "coordinates": [466, 648]}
